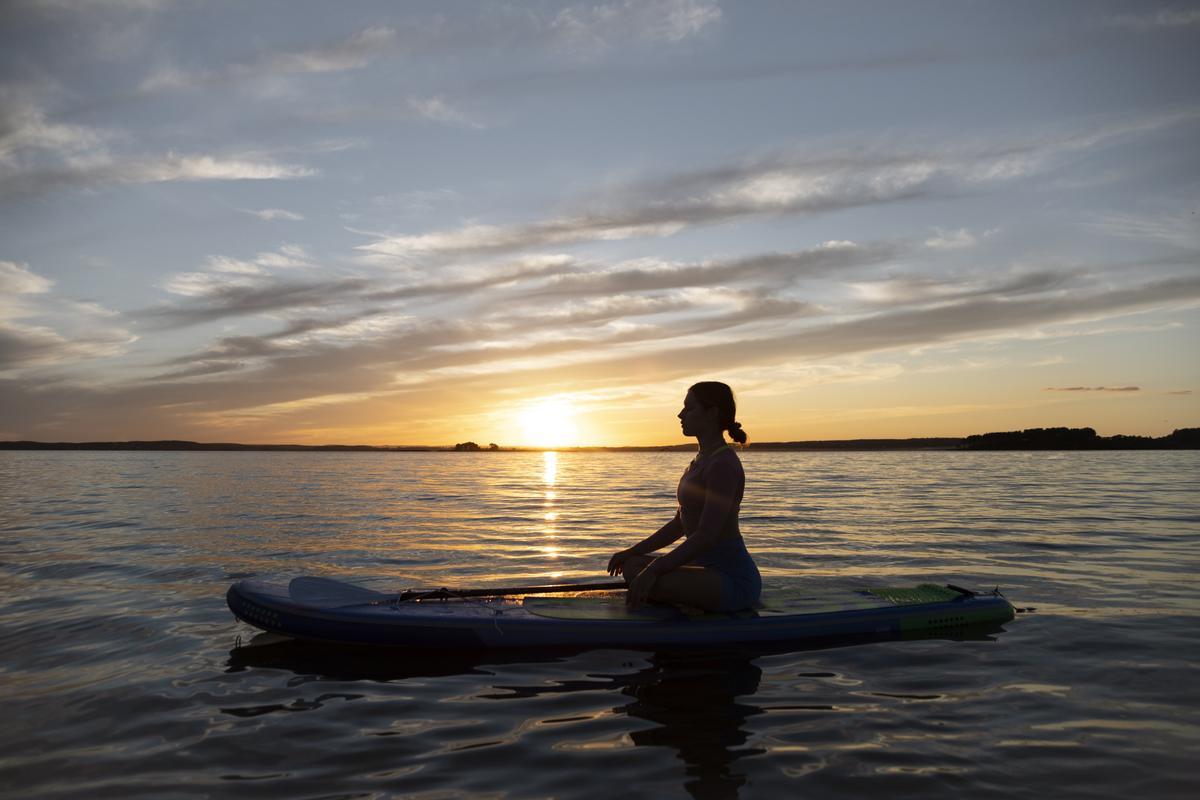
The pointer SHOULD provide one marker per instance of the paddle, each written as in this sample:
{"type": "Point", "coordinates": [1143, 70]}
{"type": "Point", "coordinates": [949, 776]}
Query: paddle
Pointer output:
{"type": "Point", "coordinates": [329, 593]}
{"type": "Point", "coordinates": [444, 593]}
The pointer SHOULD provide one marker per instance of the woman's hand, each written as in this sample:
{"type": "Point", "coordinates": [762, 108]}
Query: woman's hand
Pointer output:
{"type": "Point", "coordinates": [640, 587]}
{"type": "Point", "coordinates": [614, 563]}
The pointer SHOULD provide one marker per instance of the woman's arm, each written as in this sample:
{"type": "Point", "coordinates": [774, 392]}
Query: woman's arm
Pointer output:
{"type": "Point", "coordinates": [660, 538]}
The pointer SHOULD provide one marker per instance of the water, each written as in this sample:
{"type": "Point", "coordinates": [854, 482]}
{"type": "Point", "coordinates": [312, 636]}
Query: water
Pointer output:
{"type": "Point", "coordinates": [119, 675]}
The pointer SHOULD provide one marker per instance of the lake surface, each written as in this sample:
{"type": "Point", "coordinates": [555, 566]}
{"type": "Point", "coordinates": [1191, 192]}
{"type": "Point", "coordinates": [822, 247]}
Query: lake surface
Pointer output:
{"type": "Point", "coordinates": [120, 678]}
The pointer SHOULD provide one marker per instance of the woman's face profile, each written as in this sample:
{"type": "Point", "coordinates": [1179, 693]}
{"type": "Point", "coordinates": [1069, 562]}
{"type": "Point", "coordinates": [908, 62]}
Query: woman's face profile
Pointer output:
{"type": "Point", "coordinates": [693, 416]}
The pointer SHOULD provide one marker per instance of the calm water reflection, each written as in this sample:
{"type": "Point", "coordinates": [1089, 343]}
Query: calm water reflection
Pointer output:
{"type": "Point", "coordinates": [118, 679]}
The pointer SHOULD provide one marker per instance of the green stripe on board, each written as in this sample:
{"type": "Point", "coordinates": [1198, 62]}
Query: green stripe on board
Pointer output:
{"type": "Point", "coordinates": [925, 593]}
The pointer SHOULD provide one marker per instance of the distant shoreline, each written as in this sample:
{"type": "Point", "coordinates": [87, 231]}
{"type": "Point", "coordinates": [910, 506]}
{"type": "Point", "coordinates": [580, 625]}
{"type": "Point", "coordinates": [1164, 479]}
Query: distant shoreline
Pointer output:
{"type": "Point", "coordinates": [1029, 439]}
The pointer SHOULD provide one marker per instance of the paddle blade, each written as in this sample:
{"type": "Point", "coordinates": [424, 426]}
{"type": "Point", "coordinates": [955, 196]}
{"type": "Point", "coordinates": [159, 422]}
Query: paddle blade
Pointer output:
{"type": "Point", "coordinates": [328, 593]}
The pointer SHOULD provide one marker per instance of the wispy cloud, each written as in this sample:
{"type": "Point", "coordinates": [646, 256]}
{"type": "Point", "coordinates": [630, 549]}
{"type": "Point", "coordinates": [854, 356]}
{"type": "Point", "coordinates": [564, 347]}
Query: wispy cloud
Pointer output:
{"type": "Point", "coordinates": [269, 214]}
{"type": "Point", "coordinates": [436, 109]}
{"type": "Point", "coordinates": [923, 289]}
{"type": "Point", "coordinates": [1163, 18]}
{"type": "Point", "coordinates": [19, 279]}
{"type": "Point", "coordinates": [448, 362]}
{"type": "Point", "coordinates": [349, 53]}
{"type": "Point", "coordinates": [772, 268]}
{"type": "Point", "coordinates": [779, 185]}
{"type": "Point", "coordinates": [235, 287]}
{"type": "Point", "coordinates": [38, 154]}
{"type": "Point", "coordinates": [547, 352]}
{"type": "Point", "coordinates": [1093, 389]}
{"type": "Point", "coordinates": [704, 198]}
{"type": "Point", "coordinates": [174, 167]}
{"type": "Point", "coordinates": [25, 296]}
{"type": "Point", "coordinates": [952, 240]}
{"type": "Point", "coordinates": [353, 52]}
{"type": "Point", "coordinates": [583, 30]}
{"type": "Point", "coordinates": [1178, 230]}
{"type": "Point", "coordinates": [595, 28]}
{"type": "Point", "coordinates": [104, 170]}
{"type": "Point", "coordinates": [23, 345]}
{"type": "Point", "coordinates": [77, 6]}
{"type": "Point", "coordinates": [220, 295]}
{"type": "Point", "coordinates": [586, 75]}
{"type": "Point", "coordinates": [27, 136]}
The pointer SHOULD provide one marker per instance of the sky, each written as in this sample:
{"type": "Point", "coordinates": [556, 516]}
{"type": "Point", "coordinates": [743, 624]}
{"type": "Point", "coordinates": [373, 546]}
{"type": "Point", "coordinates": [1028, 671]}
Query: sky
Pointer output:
{"type": "Point", "coordinates": [536, 223]}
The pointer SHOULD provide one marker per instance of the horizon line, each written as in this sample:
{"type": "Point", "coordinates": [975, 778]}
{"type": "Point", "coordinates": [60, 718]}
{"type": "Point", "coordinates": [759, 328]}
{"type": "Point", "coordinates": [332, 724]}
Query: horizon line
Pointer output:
{"type": "Point", "coordinates": [470, 446]}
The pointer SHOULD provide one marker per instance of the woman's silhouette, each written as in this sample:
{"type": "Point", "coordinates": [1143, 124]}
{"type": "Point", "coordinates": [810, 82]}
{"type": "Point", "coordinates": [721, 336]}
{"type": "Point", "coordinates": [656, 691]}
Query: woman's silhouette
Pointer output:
{"type": "Point", "coordinates": [711, 569]}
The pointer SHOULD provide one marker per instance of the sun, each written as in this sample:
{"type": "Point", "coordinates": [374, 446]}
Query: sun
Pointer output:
{"type": "Point", "coordinates": [549, 423]}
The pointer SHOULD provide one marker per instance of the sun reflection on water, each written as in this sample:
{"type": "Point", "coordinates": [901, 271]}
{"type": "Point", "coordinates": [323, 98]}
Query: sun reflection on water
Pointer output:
{"type": "Point", "coordinates": [549, 509]}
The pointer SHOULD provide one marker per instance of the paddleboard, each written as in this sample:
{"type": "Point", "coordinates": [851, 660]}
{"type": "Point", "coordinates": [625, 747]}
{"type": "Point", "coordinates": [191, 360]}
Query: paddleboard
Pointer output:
{"type": "Point", "coordinates": [327, 610]}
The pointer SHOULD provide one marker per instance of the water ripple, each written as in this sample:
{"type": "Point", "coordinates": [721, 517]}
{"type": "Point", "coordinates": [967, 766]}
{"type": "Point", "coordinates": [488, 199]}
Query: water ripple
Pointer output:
{"type": "Point", "coordinates": [120, 677]}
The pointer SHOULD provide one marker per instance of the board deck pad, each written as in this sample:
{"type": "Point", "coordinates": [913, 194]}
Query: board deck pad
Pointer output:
{"type": "Point", "coordinates": [607, 608]}
{"type": "Point", "coordinates": [774, 603]}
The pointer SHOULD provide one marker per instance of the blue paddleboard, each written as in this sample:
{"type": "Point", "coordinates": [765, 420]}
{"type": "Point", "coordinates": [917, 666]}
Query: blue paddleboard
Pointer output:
{"type": "Point", "coordinates": [333, 611]}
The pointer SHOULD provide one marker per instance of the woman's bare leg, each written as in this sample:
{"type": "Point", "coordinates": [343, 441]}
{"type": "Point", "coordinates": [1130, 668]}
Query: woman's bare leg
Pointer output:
{"type": "Point", "coordinates": [688, 585]}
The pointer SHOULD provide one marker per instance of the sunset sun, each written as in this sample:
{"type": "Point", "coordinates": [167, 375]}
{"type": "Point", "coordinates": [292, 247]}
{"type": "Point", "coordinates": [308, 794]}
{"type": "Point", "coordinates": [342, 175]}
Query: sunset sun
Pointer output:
{"type": "Point", "coordinates": [549, 422]}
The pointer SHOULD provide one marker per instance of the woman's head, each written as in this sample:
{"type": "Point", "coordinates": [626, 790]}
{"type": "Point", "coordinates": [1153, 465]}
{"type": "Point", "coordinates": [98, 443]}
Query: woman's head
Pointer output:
{"type": "Point", "coordinates": [716, 396]}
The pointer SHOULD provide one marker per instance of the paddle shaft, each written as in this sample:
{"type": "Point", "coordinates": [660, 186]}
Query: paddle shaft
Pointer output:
{"type": "Point", "coordinates": [444, 594]}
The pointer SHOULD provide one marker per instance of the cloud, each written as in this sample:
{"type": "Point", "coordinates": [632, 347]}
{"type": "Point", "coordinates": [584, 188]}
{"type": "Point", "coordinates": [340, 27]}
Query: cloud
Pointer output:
{"type": "Point", "coordinates": [952, 240]}
{"type": "Point", "coordinates": [756, 191]}
{"type": "Point", "coordinates": [584, 29]}
{"type": "Point", "coordinates": [436, 109]}
{"type": "Point", "coordinates": [220, 295]}
{"type": "Point", "coordinates": [547, 351]}
{"type": "Point", "coordinates": [1163, 18]}
{"type": "Point", "coordinates": [922, 289]}
{"type": "Point", "coordinates": [27, 136]}
{"type": "Point", "coordinates": [474, 361]}
{"type": "Point", "coordinates": [22, 345]}
{"type": "Point", "coordinates": [37, 345]}
{"type": "Point", "coordinates": [100, 168]}
{"type": "Point", "coordinates": [594, 28]}
{"type": "Point", "coordinates": [37, 155]}
{"type": "Point", "coordinates": [619, 76]}
{"type": "Point", "coordinates": [780, 185]}
{"type": "Point", "coordinates": [233, 287]}
{"type": "Point", "coordinates": [226, 272]}
{"type": "Point", "coordinates": [19, 279]}
{"type": "Point", "coordinates": [353, 52]}
{"type": "Point", "coordinates": [269, 214]}
{"type": "Point", "coordinates": [523, 269]}
{"type": "Point", "coordinates": [769, 267]}
{"type": "Point", "coordinates": [896, 330]}
{"type": "Point", "coordinates": [348, 53]}
{"type": "Point", "coordinates": [24, 296]}
{"type": "Point", "coordinates": [1176, 230]}
{"type": "Point", "coordinates": [174, 167]}
{"type": "Point", "coordinates": [1092, 389]}
{"type": "Point", "coordinates": [77, 6]}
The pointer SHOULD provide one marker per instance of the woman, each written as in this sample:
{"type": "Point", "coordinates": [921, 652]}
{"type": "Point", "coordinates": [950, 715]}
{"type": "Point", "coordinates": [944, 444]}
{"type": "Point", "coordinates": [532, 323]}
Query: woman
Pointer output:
{"type": "Point", "coordinates": [711, 569]}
